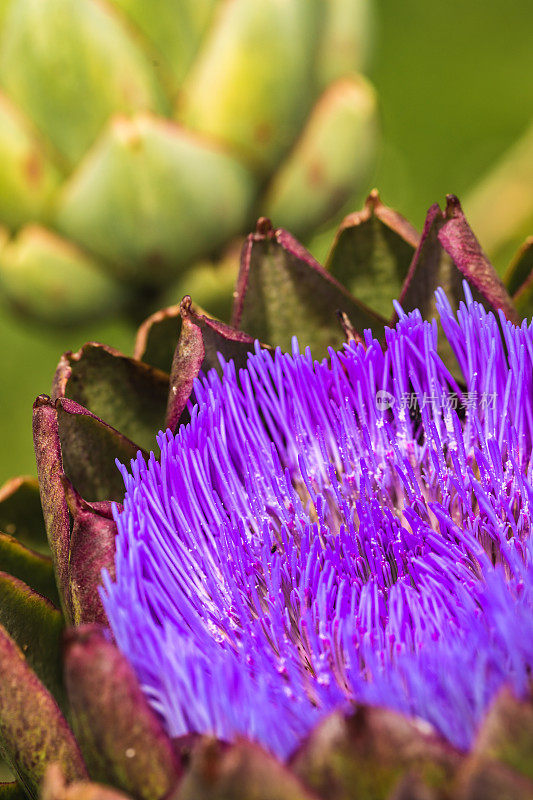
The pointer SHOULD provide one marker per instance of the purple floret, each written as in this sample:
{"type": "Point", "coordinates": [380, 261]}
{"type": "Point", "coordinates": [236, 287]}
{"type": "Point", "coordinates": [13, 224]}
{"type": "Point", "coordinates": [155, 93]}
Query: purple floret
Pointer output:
{"type": "Point", "coordinates": [300, 545]}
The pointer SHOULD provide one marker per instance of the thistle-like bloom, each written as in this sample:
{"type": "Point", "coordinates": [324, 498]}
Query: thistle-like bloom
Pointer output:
{"type": "Point", "coordinates": [300, 546]}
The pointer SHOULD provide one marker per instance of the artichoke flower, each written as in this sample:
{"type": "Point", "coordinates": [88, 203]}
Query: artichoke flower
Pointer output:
{"type": "Point", "coordinates": [321, 584]}
{"type": "Point", "coordinates": [118, 118]}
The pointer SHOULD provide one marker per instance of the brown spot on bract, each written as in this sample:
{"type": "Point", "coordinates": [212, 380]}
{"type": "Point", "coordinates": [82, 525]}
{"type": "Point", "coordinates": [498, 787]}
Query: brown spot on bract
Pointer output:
{"type": "Point", "coordinates": [263, 132]}
{"type": "Point", "coordinates": [33, 168]}
{"type": "Point", "coordinates": [316, 173]}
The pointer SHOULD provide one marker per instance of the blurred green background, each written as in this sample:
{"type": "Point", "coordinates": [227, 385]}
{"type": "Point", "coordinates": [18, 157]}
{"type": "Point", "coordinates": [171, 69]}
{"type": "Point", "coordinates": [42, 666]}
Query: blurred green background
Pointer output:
{"type": "Point", "coordinates": [455, 89]}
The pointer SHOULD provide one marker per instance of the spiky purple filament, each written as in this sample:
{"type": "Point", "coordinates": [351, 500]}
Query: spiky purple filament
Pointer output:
{"type": "Point", "coordinates": [296, 548]}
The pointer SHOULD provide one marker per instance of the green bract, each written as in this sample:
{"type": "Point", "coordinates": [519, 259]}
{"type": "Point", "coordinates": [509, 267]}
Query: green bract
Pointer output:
{"type": "Point", "coordinates": [138, 137]}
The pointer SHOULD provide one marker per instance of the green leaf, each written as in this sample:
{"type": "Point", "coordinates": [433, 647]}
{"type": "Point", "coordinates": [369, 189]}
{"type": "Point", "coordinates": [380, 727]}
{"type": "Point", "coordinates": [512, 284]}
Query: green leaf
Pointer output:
{"type": "Point", "coordinates": [283, 292]}
{"type": "Point", "coordinates": [33, 568]}
{"type": "Point", "coordinates": [36, 627]}
{"type": "Point", "coordinates": [241, 772]}
{"type": "Point", "coordinates": [69, 64]}
{"type": "Point", "coordinates": [150, 198]}
{"type": "Point", "coordinates": [122, 739]}
{"type": "Point", "coordinates": [157, 338]}
{"type": "Point", "coordinates": [21, 513]}
{"type": "Point", "coordinates": [523, 299]}
{"type": "Point", "coordinates": [330, 163]}
{"type": "Point", "coordinates": [128, 395]}
{"type": "Point", "coordinates": [372, 252]}
{"type": "Point", "coordinates": [89, 447]}
{"type": "Point", "coordinates": [49, 278]}
{"type": "Point", "coordinates": [33, 732]}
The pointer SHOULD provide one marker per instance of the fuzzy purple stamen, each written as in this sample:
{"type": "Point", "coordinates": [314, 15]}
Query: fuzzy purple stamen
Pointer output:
{"type": "Point", "coordinates": [333, 532]}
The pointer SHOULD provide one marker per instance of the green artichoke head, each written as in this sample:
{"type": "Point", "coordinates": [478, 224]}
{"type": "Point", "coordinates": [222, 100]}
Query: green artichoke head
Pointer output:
{"type": "Point", "coordinates": [139, 137]}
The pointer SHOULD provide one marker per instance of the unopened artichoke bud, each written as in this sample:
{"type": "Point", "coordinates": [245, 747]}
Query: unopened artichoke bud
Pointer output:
{"type": "Point", "coordinates": [146, 131]}
{"type": "Point", "coordinates": [48, 278]}
{"type": "Point", "coordinates": [122, 201]}
{"type": "Point", "coordinates": [331, 161]}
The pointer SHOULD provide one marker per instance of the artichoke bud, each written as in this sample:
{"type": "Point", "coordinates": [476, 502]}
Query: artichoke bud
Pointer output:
{"type": "Point", "coordinates": [33, 732]}
{"type": "Point", "coordinates": [240, 772]}
{"type": "Point", "coordinates": [89, 143]}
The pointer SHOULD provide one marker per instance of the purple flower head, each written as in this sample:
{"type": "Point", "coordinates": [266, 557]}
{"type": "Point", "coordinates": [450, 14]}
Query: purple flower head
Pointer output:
{"type": "Point", "coordinates": [357, 529]}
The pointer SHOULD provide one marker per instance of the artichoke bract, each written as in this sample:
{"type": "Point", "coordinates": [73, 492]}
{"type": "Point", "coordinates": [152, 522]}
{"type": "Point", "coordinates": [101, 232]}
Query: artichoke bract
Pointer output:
{"type": "Point", "coordinates": [317, 580]}
{"type": "Point", "coordinates": [139, 137]}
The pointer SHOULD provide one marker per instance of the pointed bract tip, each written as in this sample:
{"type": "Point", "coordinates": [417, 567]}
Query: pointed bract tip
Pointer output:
{"type": "Point", "coordinates": [373, 200]}
{"type": "Point", "coordinates": [185, 306]}
{"type": "Point", "coordinates": [453, 206]}
{"type": "Point", "coordinates": [264, 226]}
{"type": "Point", "coordinates": [42, 400]}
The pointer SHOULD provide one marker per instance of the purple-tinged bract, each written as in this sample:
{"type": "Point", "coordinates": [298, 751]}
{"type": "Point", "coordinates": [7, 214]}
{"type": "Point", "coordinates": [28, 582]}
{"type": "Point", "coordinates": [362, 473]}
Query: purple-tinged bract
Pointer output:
{"type": "Point", "coordinates": [352, 530]}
